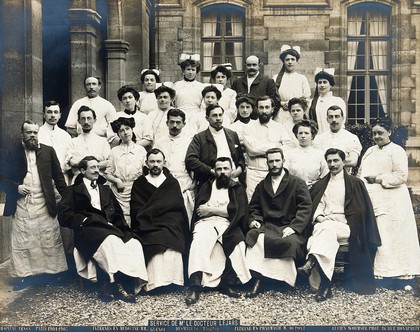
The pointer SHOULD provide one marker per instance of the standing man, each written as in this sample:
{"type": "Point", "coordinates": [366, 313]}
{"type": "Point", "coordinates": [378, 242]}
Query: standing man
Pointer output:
{"type": "Point", "coordinates": [88, 143]}
{"type": "Point", "coordinates": [52, 135]}
{"type": "Point", "coordinates": [342, 213]}
{"type": "Point", "coordinates": [104, 110]}
{"type": "Point", "coordinates": [101, 234]}
{"type": "Point", "coordinates": [27, 180]}
{"type": "Point", "coordinates": [340, 138]}
{"type": "Point", "coordinates": [217, 254]}
{"type": "Point", "coordinates": [212, 143]}
{"type": "Point", "coordinates": [174, 145]}
{"type": "Point", "coordinates": [259, 136]}
{"type": "Point", "coordinates": [279, 214]}
{"type": "Point", "coordinates": [159, 220]}
{"type": "Point", "coordinates": [253, 82]}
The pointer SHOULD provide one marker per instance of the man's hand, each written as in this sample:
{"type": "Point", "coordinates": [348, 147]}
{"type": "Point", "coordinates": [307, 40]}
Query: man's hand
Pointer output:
{"type": "Point", "coordinates": [119, 184]}
{"type": "Point", "coordinates": [204, 211]}
{"type": "Point", "coordinates": [236, 172]}
{"type": "Point", "coordinates": [288, 231]}
{"type": "Point", "coordinates": [254, 224]}
{"type": "Point", "coordinates": [24, 190]}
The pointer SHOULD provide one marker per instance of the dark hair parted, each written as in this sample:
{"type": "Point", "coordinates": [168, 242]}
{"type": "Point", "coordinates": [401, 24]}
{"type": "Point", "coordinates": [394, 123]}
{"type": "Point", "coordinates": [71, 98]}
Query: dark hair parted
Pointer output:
{"type": "Point", "coordinates": [263, 98]}
{"type": "Point", "coordinates": [245, 99]}
{"type": "Point", "coordinates": [212, 107]}
{"type": "Point", "coordinates": [220, 69]}
{"type": "Point", "coordinates": [192, 63]}
{"type": "Point", "coordinates": [30, 122]}
{"type": "Point", "coordinates": [155, 151]}
{"type": "Point", "coordinates": [291, 52]}
{"type": "Point", "coordinates": [85, 109]}
{"type": "Point", "coordinates": [164, 88]}
{"type": "Point", "coordinates": [301, 101]}
{"type": "Point", "coordinates": [335, 108]}
{"type": "Point", "coordinates": [223, 159]}
{"type": "Point", "coordinates": [274, 150]}
{"type": "Point", "coordinates": [84, 162]}
{"type": "Point", "coordinates": [335, 151]}
{"type": "Point", "coordinates": [149, 72]}
{"type": "Point", "coordinates": [51, 103]}
{"type": "Point", "coordinates": [306, 123]}
{"type": "Point", "coordinates": [126, 88]}
{"type": "Point", "coordinates": [211, 88]}
{"type": "Point", "coordinates": [175, 112]}
{"type": "Point", "coordinates": [382, 122]}
{"type": "Point", "coordinates": [325, 75]}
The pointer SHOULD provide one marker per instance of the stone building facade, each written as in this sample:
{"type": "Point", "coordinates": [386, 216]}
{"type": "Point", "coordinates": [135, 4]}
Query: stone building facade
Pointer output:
{"type": "Point", "coordinates": [48, 47]}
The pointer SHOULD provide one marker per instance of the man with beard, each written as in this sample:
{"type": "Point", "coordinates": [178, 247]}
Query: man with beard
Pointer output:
{"type": "Point", "coordinates": [279, 214]}
{"type": "Point", "coordinates": [253, 82]}
{"type": "Point", "coordinates": [216, 141]}
{"type": "Point", "coordinates": [259, 136]}
{"type": "Point", "coordinates": [342, 213]}
{"type": "Point", "coordinates": [174, 145]}
{"type": "Point", "coordinates": [217, 254]}
{"type": "Point", "coordinates": [340, 138]}
{"type": "Point", "coordinates": [88, 143]}
{"type": "Point", "coordinates": [27, 180]}
{"type": "Point", "coordinates": [101, 235]}
{"type": "Point", "coordinates": [159, 220]}
{"type": "Point", "coordinates": [104, 110]}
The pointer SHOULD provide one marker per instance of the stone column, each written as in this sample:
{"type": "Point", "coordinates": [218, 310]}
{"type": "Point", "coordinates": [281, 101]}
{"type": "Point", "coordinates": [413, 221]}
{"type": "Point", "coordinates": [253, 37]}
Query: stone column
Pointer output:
{"type": "Point", "coordinates": [116, 60]}
{"type": "Point", "coordinates": [84, 32]}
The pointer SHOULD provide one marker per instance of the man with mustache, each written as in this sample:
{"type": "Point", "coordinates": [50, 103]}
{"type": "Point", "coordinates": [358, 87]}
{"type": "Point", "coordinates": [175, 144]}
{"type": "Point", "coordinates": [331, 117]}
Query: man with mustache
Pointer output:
{"type": "Point", "coordinates": [159, 220]}
{"type": "Point", "coordinates": [217, 254]}
{"type": "Point", "coordinates": [216, 141]}
{"type": "Point", "coordinates": [259, 136]}
{"type": "Point", "coordinates": [101, 235]}
{"type": "Point", "coordinates": [87, 143]}
{"type": "Point", "coordinates": [340, 138]}
{"type": "Point", "coordinates": [104, 110]}
{"type": "Point", "coordinates": [253, 82]}
{"type": "Point", "coordinates": [342, 213]}
{"type": "Point", "coordinates": [27, 174]}
{"type": "Point", "coordinates": [174, 145]}
{"type": "Point", "coordinates": [279, 214]}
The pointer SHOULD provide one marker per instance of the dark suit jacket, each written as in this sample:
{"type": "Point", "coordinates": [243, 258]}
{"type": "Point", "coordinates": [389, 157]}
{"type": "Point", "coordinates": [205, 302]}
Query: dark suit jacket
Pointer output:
{"type": "Point", "coordinates": [75, 206]}
{"type": "Point", "coordinates": [364, 234]}
{"type": "Point", "coordinates": [262, 86]}
{"type": "Point", "coordinates": [15, 169]}
{"type": "Point", "coordinates": [202, 153]}
{"type": "Point", "coordinates": [289, 206]}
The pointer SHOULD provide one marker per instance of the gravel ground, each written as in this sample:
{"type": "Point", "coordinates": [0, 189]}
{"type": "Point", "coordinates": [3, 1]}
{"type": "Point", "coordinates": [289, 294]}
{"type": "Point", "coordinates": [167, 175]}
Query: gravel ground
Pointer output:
{"type": "Point", "coordinates": [68, 305]}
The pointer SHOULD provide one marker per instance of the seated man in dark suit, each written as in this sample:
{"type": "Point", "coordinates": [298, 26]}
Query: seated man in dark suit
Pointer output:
{"type": "Point", "coordinates": [101, 234]}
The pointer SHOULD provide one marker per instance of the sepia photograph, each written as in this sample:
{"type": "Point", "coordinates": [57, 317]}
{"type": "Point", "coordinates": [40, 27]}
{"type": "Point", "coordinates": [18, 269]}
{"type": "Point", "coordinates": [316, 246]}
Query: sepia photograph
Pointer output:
{"type": "Point", "coordinates": [202, 165]}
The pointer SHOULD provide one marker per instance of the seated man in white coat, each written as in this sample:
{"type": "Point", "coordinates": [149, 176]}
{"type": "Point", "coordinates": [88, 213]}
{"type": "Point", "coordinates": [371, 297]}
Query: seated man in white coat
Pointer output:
{"type": "Point", "coordinates": [217, 254]}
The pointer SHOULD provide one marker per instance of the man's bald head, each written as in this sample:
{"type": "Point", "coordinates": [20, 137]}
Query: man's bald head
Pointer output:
{"type": "Point", "coordinates": [252, 65]}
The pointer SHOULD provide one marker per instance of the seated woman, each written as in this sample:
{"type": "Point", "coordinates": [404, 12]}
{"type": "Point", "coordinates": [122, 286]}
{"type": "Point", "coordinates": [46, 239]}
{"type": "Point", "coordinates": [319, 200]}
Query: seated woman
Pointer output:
{"type": "Point", "coordinates": [289, 83]}
{"type": "Point", "coordinates": [150, 80]}
{"type": "Point", "coordinates": [305, 161]}
{"type": "Point", "coordinates": [125, 164]}
{"type": "Point", "coordinates": [324, 99]}
{"type": "Point", "coordinates": [297, 108]}
{"type": "Point", "coordinates": [246, 111]}
{"type": "Point", "coordinates": [220, 74]}
{"type": "Point", "coordinates": [188, 90]}
{"type": "Point", "coordinates": [384, 168]}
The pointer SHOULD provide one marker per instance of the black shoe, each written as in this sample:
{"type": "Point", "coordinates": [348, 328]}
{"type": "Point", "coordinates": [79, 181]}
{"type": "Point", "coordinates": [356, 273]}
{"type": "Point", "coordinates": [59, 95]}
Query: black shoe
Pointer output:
{"type": "Point", "coordinates": [121, 294]}
{"type": "Point", "coordinates": [255, 290]}
{"type": "Point", "coordinates": [21, 283]}
{"type": "Point", "coordinates": [305, 270]}
{"type": "Point", "coordinates": [323, 294]}
{"type": "Point", "coordinates": [224, 289]}
{"type": "Point", "coordinates": [192, 297]}
{"type": "Point", "coordinates": [106, 293]}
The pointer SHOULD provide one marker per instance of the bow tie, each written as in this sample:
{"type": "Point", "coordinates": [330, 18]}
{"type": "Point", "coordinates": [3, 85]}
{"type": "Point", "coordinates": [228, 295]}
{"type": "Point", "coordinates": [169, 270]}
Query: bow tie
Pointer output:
{"type": "Point", "coordinates": [93, 185]}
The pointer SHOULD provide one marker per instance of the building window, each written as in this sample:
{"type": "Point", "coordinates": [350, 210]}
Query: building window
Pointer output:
{"type": "Point", "coordinates": [368, 61]}
{"type": "Point", "coordinates": [223, 37]}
